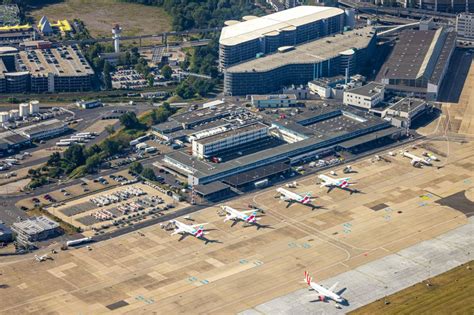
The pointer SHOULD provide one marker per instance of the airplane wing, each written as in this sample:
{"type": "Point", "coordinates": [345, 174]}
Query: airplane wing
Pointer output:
{"type": "Point", "coordinates": [333, 287]}
{"type": "Point", "coordinates": [290, 202]}
{"type": "Point", "coordinates": [177, 231]}
{"type": "Point", "coordinates": [249, 211]}
{"type": "Point", "coordinates": [330, 189]}
{"type": "Point", "coordinates": [199, 225]}
{"type": "Point", "coordinates": [230, 217]}
{"type": "Point", "coordinates": [183, 237]}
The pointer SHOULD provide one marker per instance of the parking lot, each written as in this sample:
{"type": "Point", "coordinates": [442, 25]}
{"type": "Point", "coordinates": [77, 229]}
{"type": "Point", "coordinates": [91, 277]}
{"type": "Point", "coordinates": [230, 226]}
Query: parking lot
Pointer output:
{"type": "Point", "coordinates": [114, 208]}
{"type": "Point", "coordinates": [86, 186]}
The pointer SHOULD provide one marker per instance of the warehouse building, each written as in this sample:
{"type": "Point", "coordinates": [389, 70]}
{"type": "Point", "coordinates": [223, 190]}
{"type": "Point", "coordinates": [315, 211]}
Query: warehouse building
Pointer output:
{"type": "Point", "coordinates": [12, 141]}
{"type": "Point", "coordinates": [324, 57]}
{"type": "Point", "coordinates": [43, 130]}
{"type": "Point", "coordinates": [61, 69]}
{"type": "Point", "coordinates": [35, 229]}
{"type": "Point", "coordinates": [418, 62]}
{"type": "Point", "coordinates": [241, 41]}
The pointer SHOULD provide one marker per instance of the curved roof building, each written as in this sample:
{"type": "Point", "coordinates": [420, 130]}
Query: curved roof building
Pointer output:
{"type": "Point", "coordinates": [256, 36]}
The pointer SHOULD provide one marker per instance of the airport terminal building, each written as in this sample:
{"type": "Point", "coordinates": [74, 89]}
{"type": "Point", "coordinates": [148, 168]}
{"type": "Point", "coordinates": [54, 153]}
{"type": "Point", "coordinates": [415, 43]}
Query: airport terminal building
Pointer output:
{"type": "Point", "coordinates": [325, 57]}
{"type": "Point", "coordinates": [303, 136]}
{"type": "Point", "coordinates": [256, 36]}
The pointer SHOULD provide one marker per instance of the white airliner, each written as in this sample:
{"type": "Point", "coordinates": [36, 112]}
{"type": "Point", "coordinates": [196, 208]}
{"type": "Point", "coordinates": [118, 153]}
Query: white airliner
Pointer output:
{"type": "Point", "coordinates": [415, 160]}
{"type": "Point", "coordinates": [196, 230]}
{"type": "Point", "coordinates": [292, 197]}
{"type": "Point", "coordinates": [331, 183]}
{"type": "Point", "coordinates": [324, 293]}
{"type": "Point", "coordinates": [249, 217]}
{"type": "Point", "coordinates": [42, 258]}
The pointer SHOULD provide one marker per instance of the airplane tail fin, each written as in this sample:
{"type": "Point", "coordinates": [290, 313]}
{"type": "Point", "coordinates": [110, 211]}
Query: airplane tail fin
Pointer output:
{"type": "Point", "coordinates": [308, 278]}
{"type": "Point", "coordinates": [199, 233]}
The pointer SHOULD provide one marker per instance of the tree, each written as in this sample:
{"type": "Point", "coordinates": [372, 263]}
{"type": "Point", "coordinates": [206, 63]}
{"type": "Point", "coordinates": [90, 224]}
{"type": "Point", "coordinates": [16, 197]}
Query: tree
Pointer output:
{"type": "Point", "coordinates": [167, 72]}
{"type": "Point", "coordinates": [93, 162]}
{"type": "Point", "coordinates": [148, 173]}
{"type": "Point", "coordinates": [150, 79]}
{"type": "Point", "coordinates": [136, 168]}
{"type": "Point", "coordinates": [130, 121]}
{"type": "Point", "coordinates": [54, 159]}
{"type": "Point", "coordinates": [110, 147]}
{"type": "Point", "coordinates": [110, 129]}
{"type": "Point", "coordinates": [107, 76]}
{"type": "Point", "coordinates": [32, 172]}
{"type": "Point", "coordinates": [74, 155]}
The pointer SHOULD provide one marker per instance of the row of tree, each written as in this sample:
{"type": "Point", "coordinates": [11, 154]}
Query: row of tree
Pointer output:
{"type": "Point", "coordinates": [188, 14]}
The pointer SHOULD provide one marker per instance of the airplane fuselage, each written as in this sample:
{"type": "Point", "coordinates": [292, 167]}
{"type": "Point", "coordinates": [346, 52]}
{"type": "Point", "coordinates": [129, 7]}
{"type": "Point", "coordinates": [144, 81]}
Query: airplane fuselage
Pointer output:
{"type": "Point", "coordinates": [233, 214]}
{"type": "Point", "coordinates": [291, 196]}
{"type": "Point", "coordinates": [329, 181]}
{"type": "Point", "coordinates": [416, 159]}
{"type": "Point", "coordinates": [323, 292]}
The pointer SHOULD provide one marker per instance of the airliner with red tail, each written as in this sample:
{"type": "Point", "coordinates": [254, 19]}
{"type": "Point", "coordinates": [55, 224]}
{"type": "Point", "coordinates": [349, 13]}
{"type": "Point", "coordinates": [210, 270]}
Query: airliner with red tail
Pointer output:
{"type": "Point", "coordinates": [331, 183]}
{"type": "Point", "coordinates": [292, 197]}
{"type": "Point", "coordinates": [324, 293]}
{"type": "Point", "coordinates": [196, 230]}
{"type": "Point", "coordinates": [249, 217]}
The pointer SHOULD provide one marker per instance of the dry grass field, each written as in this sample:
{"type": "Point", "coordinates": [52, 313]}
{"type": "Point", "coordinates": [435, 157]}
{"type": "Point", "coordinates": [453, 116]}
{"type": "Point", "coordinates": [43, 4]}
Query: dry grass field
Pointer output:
{"type": "Point", "coordinates": [99, 16]}
{"type": "Point", "coordinates": [449, 292]}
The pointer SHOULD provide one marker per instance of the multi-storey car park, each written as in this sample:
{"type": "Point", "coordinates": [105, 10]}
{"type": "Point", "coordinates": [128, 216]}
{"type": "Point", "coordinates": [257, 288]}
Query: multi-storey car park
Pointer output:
{"type": "Point", "coordinates": [241, 41]}
{"type": "Point", "coordinates": [315, 130]}
{"type": "Point", "coordinates": [60, 69]}
{"type": "Point", "coordinates": [325, 57]}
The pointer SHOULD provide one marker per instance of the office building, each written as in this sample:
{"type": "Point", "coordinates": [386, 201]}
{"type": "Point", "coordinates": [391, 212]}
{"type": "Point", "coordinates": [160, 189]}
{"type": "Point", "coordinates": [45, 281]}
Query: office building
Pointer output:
{"type": "Point", "coordinates": [326, 57]}
{"type": "Point", "coordinates": [254, 37]}
{"type": "Point", "coordinates": [448, 6]}
{"type": "Point", "coordinates": [365, 96]}
{"type": "Point", "coordinates": [273, 101]}
{"type": "Point", "coordinates": [206, 146]}
{"type": "Point", "coordinates": [35, 229]}
{"type": "Point", "coordinates": [465, 26]}
{"type": "Point", "coordinates": [418, 62]}
{"type": "Point", "coordinates": [405, 111]}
